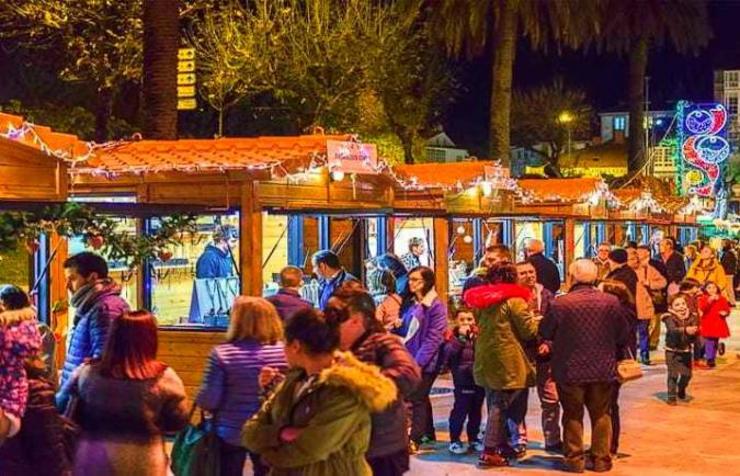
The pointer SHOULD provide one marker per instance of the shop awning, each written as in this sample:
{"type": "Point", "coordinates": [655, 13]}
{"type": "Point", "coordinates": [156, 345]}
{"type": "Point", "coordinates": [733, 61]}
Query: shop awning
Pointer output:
{"type": "Point", "coordinates": [561, 190]}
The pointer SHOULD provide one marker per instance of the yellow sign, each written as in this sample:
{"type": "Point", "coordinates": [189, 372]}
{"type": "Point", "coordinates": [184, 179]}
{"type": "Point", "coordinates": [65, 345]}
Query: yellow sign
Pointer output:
{"type": "Point", "coordinates": [184, 79]}
{"type": "Point", "coordinates": [187, 104]}
{"type": "Point", "coordinates": [186, 91]}
{"type": "Point", "coordinates": [185, 66]}
{"type": "Point", "coordinates": [186, 54]}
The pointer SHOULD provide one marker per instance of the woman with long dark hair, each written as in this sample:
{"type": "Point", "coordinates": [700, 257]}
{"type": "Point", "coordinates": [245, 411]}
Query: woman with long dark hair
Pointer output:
{"type": "Point", "coordinates": [126, 402]}
{"type": "Point", "coordinates": [423, 325]}
{"type": "Point", "coordinates": [318, 420]}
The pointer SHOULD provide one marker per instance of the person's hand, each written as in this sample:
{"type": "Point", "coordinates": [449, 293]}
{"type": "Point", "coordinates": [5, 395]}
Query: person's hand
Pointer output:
{"type": "Point", "coordinates": [267, 374]}
{"type": "Point", "coordinates": [543, 350]}
{"type": "Point", "coordinates": [691, 330]}
{"type": "Point", "coordinates": [289, 434]}
{"type": "Point", "coordinates": [463, 331]}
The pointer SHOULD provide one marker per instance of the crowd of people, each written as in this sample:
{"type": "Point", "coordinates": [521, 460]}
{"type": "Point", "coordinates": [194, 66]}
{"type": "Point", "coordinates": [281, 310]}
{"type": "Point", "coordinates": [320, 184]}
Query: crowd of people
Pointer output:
{"type": "Point", "coordinates": [345, 389]}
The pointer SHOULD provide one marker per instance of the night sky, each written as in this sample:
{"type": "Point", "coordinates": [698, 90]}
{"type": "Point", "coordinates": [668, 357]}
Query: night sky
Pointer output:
{"type": "Point", "coordinates": [603, 77]}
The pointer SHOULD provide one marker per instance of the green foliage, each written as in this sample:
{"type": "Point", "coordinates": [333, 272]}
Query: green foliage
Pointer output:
{"type": "Point", "coordinates": [100, 231]}
{"type": "Point", "coordinates": [536, 119]}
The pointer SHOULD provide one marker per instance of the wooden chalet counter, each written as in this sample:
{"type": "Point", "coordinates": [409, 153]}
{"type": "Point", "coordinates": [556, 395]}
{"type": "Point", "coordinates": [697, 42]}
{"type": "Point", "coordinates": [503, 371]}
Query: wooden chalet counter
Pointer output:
{"type": "Point", "coordinates": [186, 350]}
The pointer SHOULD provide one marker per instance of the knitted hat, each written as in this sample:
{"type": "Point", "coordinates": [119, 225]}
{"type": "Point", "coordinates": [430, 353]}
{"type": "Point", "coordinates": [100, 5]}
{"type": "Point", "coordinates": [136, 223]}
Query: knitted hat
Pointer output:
{"type": "Point", "coordinates": [619, 256]}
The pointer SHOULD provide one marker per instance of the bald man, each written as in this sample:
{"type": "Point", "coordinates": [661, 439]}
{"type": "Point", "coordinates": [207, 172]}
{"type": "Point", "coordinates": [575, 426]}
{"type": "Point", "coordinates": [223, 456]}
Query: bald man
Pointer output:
{"type": "Point", "coordinates": [548, 274]}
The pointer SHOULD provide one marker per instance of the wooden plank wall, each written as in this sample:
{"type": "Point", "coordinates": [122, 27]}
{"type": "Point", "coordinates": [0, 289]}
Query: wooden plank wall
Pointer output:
{"type": "Point", "coordinates": [187, 352]}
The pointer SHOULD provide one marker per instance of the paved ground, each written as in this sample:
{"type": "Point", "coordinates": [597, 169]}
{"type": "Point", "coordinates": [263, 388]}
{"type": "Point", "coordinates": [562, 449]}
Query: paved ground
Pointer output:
{"type": "Point", "coordinates": [696, 438]}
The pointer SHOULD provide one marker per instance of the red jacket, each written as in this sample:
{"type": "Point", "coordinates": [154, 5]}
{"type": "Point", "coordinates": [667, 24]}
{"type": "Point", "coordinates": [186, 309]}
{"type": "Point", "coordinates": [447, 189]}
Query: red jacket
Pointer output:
{"type": "Point", "coordinates": [712, 322]}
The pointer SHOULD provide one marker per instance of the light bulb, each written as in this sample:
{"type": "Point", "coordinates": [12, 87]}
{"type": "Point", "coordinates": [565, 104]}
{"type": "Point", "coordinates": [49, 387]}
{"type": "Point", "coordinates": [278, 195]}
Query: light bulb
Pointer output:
{"type": "Point", "coordinates": [460, 230]}
{"type": "Point", "coordinates": [337, 175]}
{"type": "Point", "coordinates": [486, 188]}
{"type": "Point", "coordinates": [468, 239]}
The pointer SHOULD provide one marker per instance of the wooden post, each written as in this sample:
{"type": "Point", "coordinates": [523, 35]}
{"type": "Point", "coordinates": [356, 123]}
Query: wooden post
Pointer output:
{"type": "Point", "coordinates": [390, 234]}
{"type": "Point", "coordinates": [250, 241]}
{"type": "Point", "coordinates": [58, 294]}
{"type": "Point", "coordinates": [570, 243]}
{"type": "Point", "coordinates": [441, 227]}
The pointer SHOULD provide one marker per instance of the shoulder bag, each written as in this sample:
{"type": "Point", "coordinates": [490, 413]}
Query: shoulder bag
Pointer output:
{"type": "Point", "coordinates": [197, 449]}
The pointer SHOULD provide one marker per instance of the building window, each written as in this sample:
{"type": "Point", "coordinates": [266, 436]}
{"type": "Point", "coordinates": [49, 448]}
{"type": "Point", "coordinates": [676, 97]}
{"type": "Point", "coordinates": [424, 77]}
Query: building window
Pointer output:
{"type": "Point", "coordinates": [732, 104]}
{"type": "Point", "coordinates": [436, 155]}
{"type": "Point", "coordinates": [620, 123]}
{"type": "Point", "coordinates": [732, 79]}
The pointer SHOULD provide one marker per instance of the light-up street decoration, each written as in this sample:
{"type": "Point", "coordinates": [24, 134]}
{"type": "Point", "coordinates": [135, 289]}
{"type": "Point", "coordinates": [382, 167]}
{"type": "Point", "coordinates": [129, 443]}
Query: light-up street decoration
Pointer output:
{"type": "Point", "coordinates": [703, 147]}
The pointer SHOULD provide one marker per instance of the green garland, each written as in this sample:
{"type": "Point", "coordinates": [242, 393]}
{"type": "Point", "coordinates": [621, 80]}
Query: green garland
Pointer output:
{"type": "Point", "coordinates": [99, 231]}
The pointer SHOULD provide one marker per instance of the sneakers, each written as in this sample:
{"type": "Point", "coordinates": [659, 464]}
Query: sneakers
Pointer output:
{"type": "Point", "coordinates": [491, 460]}
{"type": "Point", "coordinates": [721, 350]}
{"type": "Point", "coordinates": [682, 394]}
{"type": "Point", "coordinates": [477, 446]}
{"type": "Point", "coordinates": [427, 440]}
{"type": "Point", "coordinates": [458, 448]}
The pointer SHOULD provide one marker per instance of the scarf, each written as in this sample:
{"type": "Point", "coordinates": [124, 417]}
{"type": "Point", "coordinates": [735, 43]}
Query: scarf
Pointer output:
{"type": "Point", "coordinates": [87, 295]}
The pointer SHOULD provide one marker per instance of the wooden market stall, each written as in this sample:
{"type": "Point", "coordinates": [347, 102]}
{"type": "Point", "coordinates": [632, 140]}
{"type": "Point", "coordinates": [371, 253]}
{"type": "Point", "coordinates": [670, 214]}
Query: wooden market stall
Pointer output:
{"type": "Point", "coordinates": [272, 190]}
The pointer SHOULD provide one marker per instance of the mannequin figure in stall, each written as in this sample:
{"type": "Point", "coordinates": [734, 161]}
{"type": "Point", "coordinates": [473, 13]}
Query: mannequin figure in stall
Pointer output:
{"type": "Point", "coordinates": [215, 285]}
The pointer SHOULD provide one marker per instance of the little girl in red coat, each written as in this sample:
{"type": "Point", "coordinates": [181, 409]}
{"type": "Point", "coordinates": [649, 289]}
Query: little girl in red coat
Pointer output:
{"type": "Point", "coordinates": [714, 309]}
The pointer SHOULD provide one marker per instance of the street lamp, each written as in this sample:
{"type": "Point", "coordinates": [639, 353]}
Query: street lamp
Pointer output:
{"type": "Point", "coordinates": [567, 119]}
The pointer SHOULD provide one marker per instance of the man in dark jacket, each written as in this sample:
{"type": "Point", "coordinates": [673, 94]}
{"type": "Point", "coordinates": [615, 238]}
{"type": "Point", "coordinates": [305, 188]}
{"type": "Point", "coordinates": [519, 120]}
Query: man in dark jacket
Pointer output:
{"type": "Point", "coordinates": [331, 274]}
{"type": "Point", "coordinates": [621, 272]}
{"type": "Point", "coordinates": [729, 264]}
{"type": "Point", "coordinates": [547, 271]}
{"type": "Point", "coordinates": [363, 335]}
{"type": "Point", "coordinates": [675, 268]}
{"type": "Point", "coordinates": [288, 299]}
{"type": "Point", "coordinates": [587, 328]}
{"type": "Point", "coordinates": [97, 302]}
{"type": "Point", "coordinates": [216, 261]}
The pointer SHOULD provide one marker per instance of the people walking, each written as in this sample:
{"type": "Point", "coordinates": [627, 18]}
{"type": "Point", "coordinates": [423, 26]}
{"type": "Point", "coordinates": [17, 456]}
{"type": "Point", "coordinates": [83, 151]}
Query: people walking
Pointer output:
{"type": "Point", "coordinates": [707, 269]}
{"type": "Point", "coordinates": [459, 357]}
{"type": "Point", "coordinates": [681, 331]}
{"type": "Point", "coordinates": [388, 301]}
{"type": "Point", "coordinates": [715, 309]}
{"type": "Point", "coordinates": [97, 302]}
{"type": "Point", "coordinates": [125, 403]}
{"type": "Point", "coordinates": [424, 321]}
{"type": "Point", "coordinates": [547, 271]}
{"type": "Point", "coordinates": [621, 272]}
{"type": "Point", "coordinates": [331, 274]}
{"type": "Point", "coordinates": [729, 265]}
{"type": "Point", "coordinates": [587, 328]}
{"type": "Point", "coordinates": [363, 335]}
{"type": "Point", "coordinates": [318, 420]}
{"type": "Point", "coordinates": [288, 300]}
{"type": "Point", "coordinates": [674, 264]}
{"type": "Point", "coordinates": [230, 390]}
{"type": "Point", "coordinates": [650, 289]}
{"type": "Point", "coordinates": [501, 365]}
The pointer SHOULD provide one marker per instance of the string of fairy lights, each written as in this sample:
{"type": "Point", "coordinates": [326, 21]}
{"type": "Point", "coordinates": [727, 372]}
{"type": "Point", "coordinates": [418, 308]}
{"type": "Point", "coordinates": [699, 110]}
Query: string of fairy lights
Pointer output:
{"type": "Point", "coordinates": [318, 161]}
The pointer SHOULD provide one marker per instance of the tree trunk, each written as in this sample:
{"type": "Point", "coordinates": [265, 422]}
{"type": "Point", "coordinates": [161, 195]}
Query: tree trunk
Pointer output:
{"type": "Point", "coordinates": [637, 68]}
{"type": "Point", "coordinates": [504, 50]}
{"type": "Point", "coordinates": [161, 42]}
{"type": "Point", "coordinates": [407, 140]}
{"type": "Point", "coordinates": [103, 110]}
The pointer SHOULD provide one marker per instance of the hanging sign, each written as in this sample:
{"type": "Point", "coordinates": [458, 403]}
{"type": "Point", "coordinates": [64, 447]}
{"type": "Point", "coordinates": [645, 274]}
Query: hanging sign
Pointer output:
{"type": "Point", "coordinates": [352, 157]}
{"type": "Point", "coordinates": [186, 79]}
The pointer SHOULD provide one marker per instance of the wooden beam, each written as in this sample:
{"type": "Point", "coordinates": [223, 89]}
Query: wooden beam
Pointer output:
{"type": "Point", "coordinates": [441, 226]}
{"type": "Point", "coordinates": [570, 243]}
{"type": "Point", "coordinates": [250, 249]}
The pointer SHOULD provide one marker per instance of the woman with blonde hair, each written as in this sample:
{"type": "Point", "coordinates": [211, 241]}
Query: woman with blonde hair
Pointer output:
{"type": "Point", "coordinates": [707, 268]}
{"type": "Point", "coordinates": [230, 388]}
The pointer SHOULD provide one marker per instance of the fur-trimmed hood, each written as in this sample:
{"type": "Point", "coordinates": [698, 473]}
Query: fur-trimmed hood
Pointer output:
{"type": "Point", "coordinates": [8, 318]}
{"type": "Point", "coordinates": [489, 295]}
{"type": "Point", "coordinates": [375, 390]}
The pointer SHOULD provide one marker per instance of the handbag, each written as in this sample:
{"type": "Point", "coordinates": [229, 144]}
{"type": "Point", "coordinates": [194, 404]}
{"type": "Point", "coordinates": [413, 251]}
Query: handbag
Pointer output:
{"type": "Point", "coordinates": [628, 369]}
{"type": "Point", "coordinates": [197, 450]}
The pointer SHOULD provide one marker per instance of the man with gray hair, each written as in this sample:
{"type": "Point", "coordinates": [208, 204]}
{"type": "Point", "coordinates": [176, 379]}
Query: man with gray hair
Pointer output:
{"type": "Point", "coordinates": [548, 274]}
{"type": "Point", "coordinates": [587, 328]}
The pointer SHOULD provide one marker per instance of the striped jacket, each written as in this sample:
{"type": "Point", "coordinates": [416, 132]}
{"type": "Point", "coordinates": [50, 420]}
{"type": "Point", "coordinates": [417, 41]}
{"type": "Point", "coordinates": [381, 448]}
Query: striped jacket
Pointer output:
{"type": "Point", "coordinates": [230, 390]}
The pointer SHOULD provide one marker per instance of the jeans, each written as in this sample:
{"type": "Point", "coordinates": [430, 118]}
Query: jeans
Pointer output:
{"type": "Point", "coordinates": [643, 334]}
{"type": "Point", "coordinates": [547, 392]}
{"type": "Point", "coordinates": [616, 420]}
{"type": "Point", "coordinates": [422, 419]}
{"type": "Point", "coordinates": [232, 461]}
{"type": "Point", "coordinates": [507, 408]}
{"type": "Point", "coordinates": [597, 398]}
{"type": "Point", "coordinates": [679, 371]}
{"type": "Point", "coordinates": [468, 404]}
{"type": "Point", "coordinates": [711, 344]}
{"type": "Point", "coordinates": [699, 348]}
{"type": "Point", "coordinates": [655, 331]}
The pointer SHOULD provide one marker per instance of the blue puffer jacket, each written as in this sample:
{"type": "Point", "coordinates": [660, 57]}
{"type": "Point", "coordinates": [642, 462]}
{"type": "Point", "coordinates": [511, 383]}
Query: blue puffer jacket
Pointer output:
{"type": "Point", "coordinates": [92, 321]}
{"type": "Point", "coordinates": [230, 390]}
{"type": "Point", "coordinates": [328, 286]}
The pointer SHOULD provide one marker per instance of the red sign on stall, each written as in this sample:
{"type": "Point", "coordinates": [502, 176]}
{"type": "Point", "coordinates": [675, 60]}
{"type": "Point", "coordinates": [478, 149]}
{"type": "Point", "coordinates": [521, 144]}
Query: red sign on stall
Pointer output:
{"type": "Point", "coordinates": [352, 157]}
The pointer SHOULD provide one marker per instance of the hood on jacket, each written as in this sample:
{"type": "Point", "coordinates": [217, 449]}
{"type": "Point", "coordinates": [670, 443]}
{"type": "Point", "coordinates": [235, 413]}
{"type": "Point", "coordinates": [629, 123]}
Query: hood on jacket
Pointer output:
{"type": "Point", "coordinates": [491, 294]}
{"type": "Point", "coordinates": [375, 390]}
{"type": "Point", "coordinates": [9, 318]}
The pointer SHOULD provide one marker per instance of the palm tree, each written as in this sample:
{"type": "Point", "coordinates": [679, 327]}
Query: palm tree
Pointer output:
{"type": "Point", "coordinates": [161, 42]}
{"type": "Point", "coordinates": [470, 28]}
{"type": "Point", "coordinates": [633, 27]}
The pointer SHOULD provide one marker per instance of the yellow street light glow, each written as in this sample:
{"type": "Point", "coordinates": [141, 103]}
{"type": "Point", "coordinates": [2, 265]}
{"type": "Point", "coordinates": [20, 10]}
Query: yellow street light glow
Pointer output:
{"type": "Point", "coordinates": [565, 117]}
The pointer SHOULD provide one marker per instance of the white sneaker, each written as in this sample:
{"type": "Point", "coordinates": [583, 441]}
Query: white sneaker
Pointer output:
{"type": "Point", "coordinates": [477, 446]}
{"type": "Point", "coordinates": [458, 448]}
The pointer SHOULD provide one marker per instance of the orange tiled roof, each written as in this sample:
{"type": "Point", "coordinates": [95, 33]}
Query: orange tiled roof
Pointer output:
{"type": "Point", "coordinates": [443, 174]}
{"type": "Point", "coordinates": [191, 155]}
{"type": "Point", "coordinates": [559, 189]}
{"type": "Point", "coordinates": [58, 144]}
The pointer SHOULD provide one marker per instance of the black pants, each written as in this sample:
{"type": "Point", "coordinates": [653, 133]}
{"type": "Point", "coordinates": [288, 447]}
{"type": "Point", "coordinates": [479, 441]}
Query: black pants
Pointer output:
{"type": "Point", "coordinates": [468, 404]}
{"type": "Point", "coordinates": [394, 464]}
{"type": "Point", "coordinates": [422, 419]}
{"type": "Point", "coordinates": [506, 408]}
{"type": "Point", "coordinates": [232, 461]}
{"type": "Point", "coordinates": [679, 371]}
{"type": "Point", "coordinates": [616, 421]}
